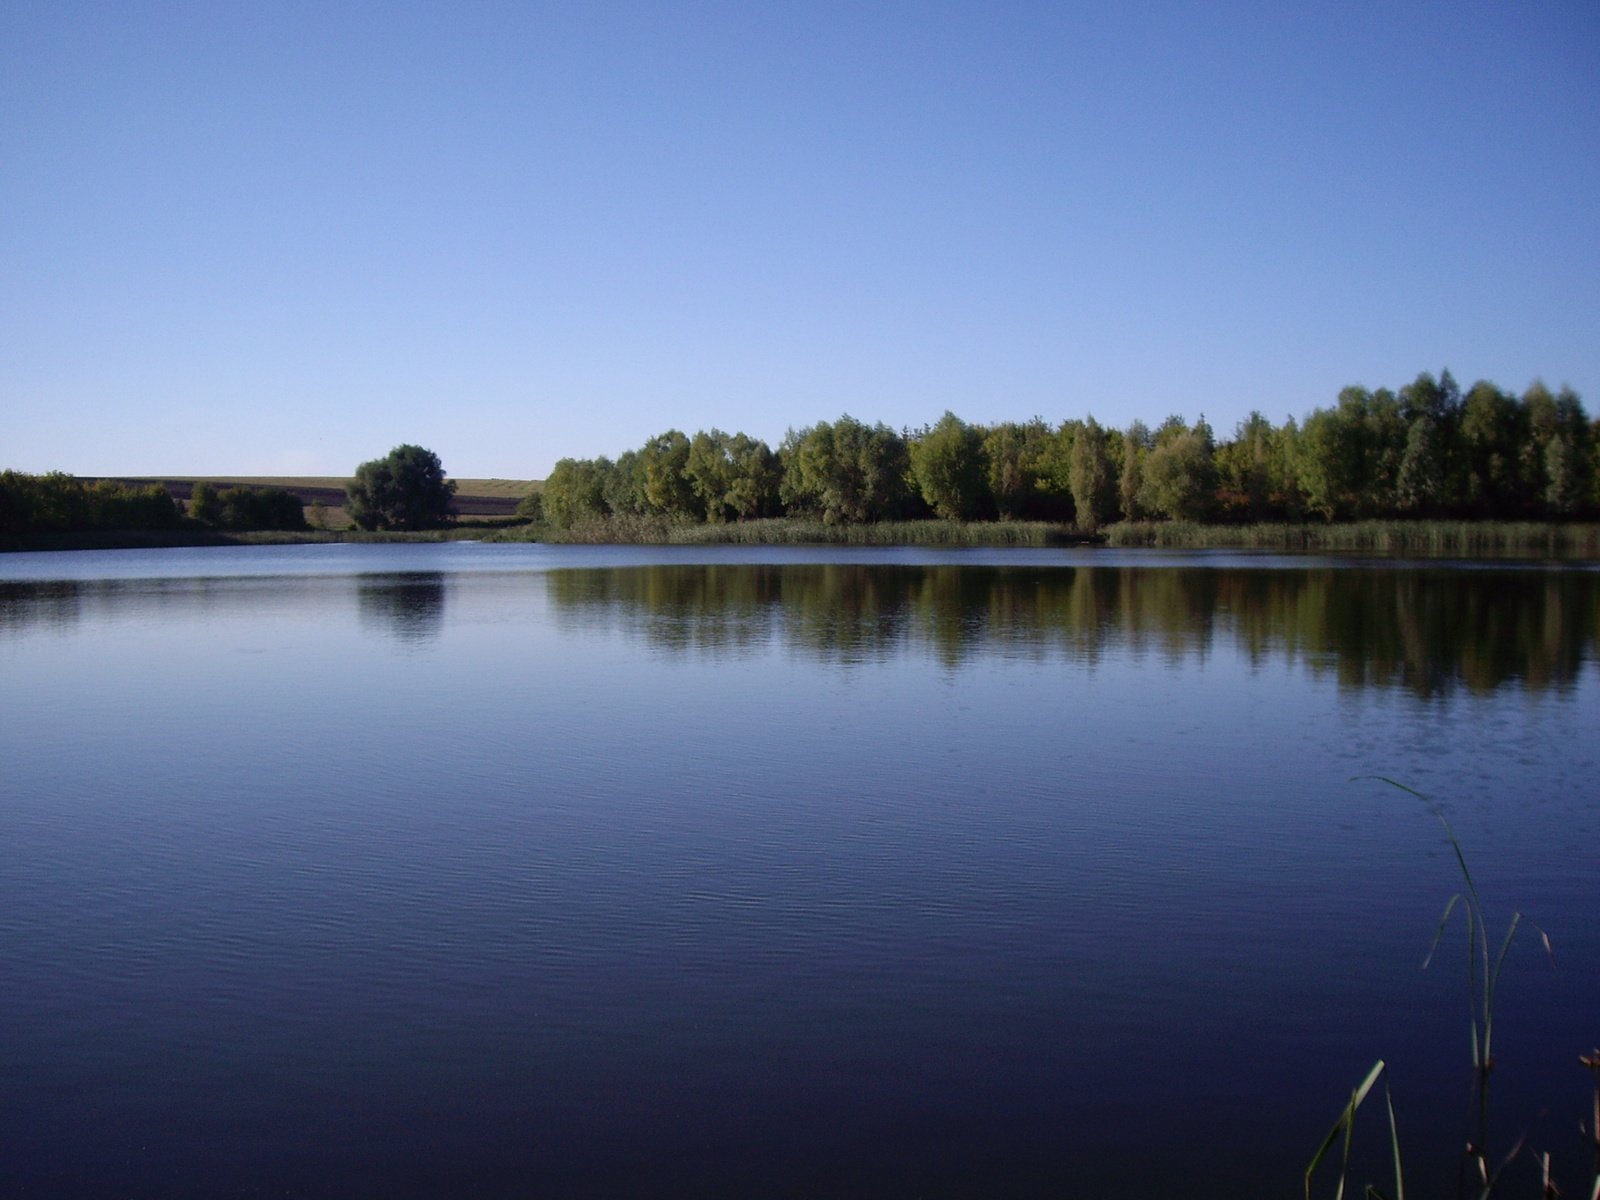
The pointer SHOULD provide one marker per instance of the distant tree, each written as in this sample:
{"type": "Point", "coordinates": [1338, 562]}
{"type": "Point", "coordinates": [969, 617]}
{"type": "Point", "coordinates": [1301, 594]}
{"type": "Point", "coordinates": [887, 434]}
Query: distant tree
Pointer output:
{"type": "Point", "coordinates": [1091, 477]}
{"type": "Point", "coordinates": [60, 503]}
{"type": "Point", "coordinates": [406, 489]}
{"type": "Point", "coordinates": [756, 476]}
{"type": "Point", "coordinates": [112, 505]}
{"type": "Point", "coordinates": [1287, 497]}
{"type": "Point", "coordinates": [1180, 476]}
{"type": "Point", "coordinates": [709, 473]}
{"type": "Point", "coordinates": [1330, 465]}
{"type": "Point", "coordinates": [1244, 470]}
{"type": "Point", "coordinates": [1170, 430]}
{"type": "Point", "coordinates": [1567, 475]}
{"type": "Point", "coordinates": [1137, 443]}
{"type": "Point", "coordinates": [1420, 490]}
{"type": "Point", "coordinates": [574, 491]}
{"type": "Point", "coordinates": [947, 466]}
{"type": "Point", "coordinates": [1492, 433]}
{"type": "Point", "coordinates": [203, 503]}
{"type": "Point", "coordinates": [846, 472]}
{"type": "Point", "coordinates": [1054, 470]}
{"type": "Point", "coordinates": [531, 508]}
{"type": "Point", "coordinates": [622, 485]}
{"type": "Point", "coordinates": [668, 490]}
{"type": "Point", "coordinates": [260, 508]}
{"type": "Point", "coordinates": [1568, 457]}
{"type": "Point", "coordinates": [1011, 457]}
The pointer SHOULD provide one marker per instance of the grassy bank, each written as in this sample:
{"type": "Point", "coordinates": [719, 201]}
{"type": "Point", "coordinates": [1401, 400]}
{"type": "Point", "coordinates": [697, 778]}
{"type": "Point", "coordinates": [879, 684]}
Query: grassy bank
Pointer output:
{"type": "Point", "coordinates": [1466, 538]}
{"type": "Point", "coordinates": [153, 539]}
{"type": "Point", "coordinates": [1462, 538]}
{"type": "Point", "coordinates": [795, 531]}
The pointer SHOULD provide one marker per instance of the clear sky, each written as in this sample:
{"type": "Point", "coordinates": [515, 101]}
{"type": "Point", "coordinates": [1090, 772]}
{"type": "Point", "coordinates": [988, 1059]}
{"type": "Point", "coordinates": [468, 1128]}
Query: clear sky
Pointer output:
{"type": "Point", "coordinates": [283, 237]}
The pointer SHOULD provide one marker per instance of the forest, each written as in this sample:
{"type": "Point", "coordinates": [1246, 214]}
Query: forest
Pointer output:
{"type": "Point", "coordinates": [1427, 450]}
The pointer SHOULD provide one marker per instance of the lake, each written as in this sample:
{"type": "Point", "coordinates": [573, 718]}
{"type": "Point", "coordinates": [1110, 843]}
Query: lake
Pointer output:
{"type": "Point", "coordinates": [523, 870]}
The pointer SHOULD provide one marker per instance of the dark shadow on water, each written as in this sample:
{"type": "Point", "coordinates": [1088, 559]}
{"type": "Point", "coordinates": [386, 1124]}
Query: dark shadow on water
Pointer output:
{"type": "Point", "coordinates": [409, 608]}
{"type": "Point", "coordinates": [56, 605]}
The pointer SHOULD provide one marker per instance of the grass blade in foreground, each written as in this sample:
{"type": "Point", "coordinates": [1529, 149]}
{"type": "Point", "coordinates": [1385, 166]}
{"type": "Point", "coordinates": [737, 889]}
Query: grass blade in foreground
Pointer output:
{"type": "Point", "coordinates": [1346, 1125]}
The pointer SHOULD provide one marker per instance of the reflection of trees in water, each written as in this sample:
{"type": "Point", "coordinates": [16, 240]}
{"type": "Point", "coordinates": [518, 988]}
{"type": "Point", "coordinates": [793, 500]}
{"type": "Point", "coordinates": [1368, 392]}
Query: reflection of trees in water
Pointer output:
{"type": "Point", "coordinates": [1428, 631]}
{"type": "Point", "coordinates": [54, 605]}
{"type": "Point", "coordinates": [410, 607]}
{"type": "Point", "coordinates": [725, 609]}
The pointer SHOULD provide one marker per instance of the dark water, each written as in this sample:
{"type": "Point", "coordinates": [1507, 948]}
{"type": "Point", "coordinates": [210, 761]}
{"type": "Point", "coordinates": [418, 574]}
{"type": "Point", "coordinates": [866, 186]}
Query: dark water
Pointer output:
{"type": "Point", "coordinates": [509, 871]}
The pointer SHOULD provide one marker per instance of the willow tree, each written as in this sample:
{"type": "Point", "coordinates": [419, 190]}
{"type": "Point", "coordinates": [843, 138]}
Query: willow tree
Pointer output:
{"type": "Point", "coordinates": [846, 471]}
{"type": "Point", "coordinates": [947, 465]}
{"type": "Point", "coordinates": [1093, 482]}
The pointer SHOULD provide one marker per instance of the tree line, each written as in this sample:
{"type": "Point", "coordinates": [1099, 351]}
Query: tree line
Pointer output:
{"type": "Point", "coordinates": [1426, 450]}
{"type": "Point", "coordinates": [60, 503]}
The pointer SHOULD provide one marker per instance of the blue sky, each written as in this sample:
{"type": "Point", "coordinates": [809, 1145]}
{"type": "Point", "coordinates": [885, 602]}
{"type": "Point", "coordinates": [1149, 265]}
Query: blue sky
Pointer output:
{"type": "Point", "coordinates": [281, 238]}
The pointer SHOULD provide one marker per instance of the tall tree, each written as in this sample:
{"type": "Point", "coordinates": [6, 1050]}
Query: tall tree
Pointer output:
{"type": "Point", "coordinates": [756, 475]}
{"type": "Point", "coordinates": [1492, 431]}
{"type": "Point", "coordinates": [1180, 476]}
{"type": "Point", "coordinates": [623, 485]}
{"type": "Point", "coordinates": [1244, 470]}
{"type": "Point", "coordinates": [1092, 479]}
{"type": "Point", "coordinates": [1137, 443]}
{"type": "Point", "coordinates": [1420, 487]}
{"type": "Point", "coordinates": [735, 478]}
{"type": "Point", "coordinates": [947, 465]}
{"type": "Point", "coordinates": [1568, 458]}
{"type": "Point", "coordinates": [664, 461]}
{"type": "Point", "coordinates": [575, 491]}
{"type": "Point", "coordinates": [846, 471]}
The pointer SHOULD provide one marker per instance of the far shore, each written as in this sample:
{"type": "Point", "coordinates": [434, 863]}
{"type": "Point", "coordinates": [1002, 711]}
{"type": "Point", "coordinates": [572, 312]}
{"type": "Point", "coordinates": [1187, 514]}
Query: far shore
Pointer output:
{"type": "Point", "coordinates": [1463, 539]}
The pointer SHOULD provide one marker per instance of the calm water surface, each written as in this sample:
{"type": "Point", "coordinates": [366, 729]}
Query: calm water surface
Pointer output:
{"type": "Point", "coordinates": [507, 871]}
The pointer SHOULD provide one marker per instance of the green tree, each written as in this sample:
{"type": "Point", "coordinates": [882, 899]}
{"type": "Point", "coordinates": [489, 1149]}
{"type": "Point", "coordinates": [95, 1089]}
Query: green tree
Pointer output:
{"type": "Point", "coordinates": [1568, 458]}
{"type": "Point", "coordinates": [406, 489]}
{"type": "Point", "coordinates": [1180, 476]}
{"type": "Point", "coordinates": [1054, 470]}
{"type": "Point", "coordinates": [111, 505]}
{"type": "Point", "coordinates": [259, 508]}
{"type": "Point", "coordinates": [1491, 438]}
{"type": "Point", "coordinates": [531, 508]}
{"type": "Point", "coordinates": [1330, 467]}
{"type": "Point", "coordinates": [623, 485]}
{"type": "Point", "coordinates": [734, 478]}
{"type": "Point", "coordinates": [1011, 457]}
{"type": "Point", "coordinates": [1244, 471]}
{"type": "Point", "coordinates": [947, 465]}
{"type": "Point", "coordinates": [204, 505]}
{"type": "Point", "coordinates": [709, 473]}
{"type": "Point", "coordinates": [574, 491]}
{"type": "Point", "coordinates": [1137, 443]}
{"type": "Point", "coordinates": [846, 472]}
{"type": "Point", "coordinates": [663, 463]}
{"type": "Point", "coordinates": [757, 474]}
{"type": "Point", "coordinates": [1420, 490]}
{"type": "Point", "coordinates": [1090, 476]}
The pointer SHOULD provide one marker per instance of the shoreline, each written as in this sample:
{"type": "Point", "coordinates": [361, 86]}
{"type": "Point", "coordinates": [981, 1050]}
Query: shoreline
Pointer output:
{"type": "Point", "coordinates": [1464, 539]}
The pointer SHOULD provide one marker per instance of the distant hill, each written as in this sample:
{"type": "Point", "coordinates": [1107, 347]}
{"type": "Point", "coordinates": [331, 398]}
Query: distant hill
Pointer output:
{"type": "Point", "coordinates": [474, 497]}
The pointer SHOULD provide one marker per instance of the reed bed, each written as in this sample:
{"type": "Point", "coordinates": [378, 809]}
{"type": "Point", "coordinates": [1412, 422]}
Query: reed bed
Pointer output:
{"type": "Point", "coordinates": [1388, 537]}
{"type": "Point", "coordinates": [780, 531]}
